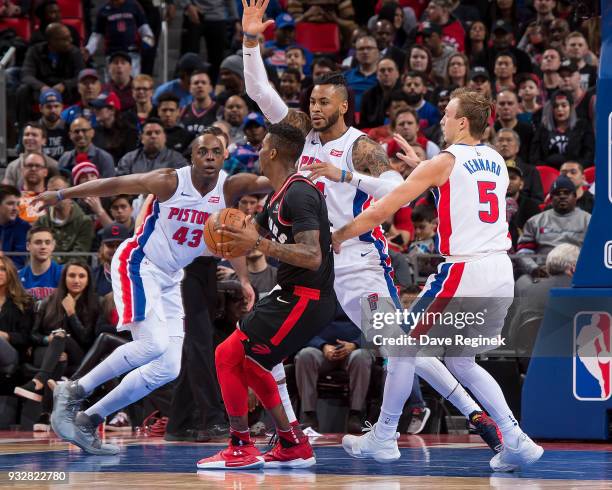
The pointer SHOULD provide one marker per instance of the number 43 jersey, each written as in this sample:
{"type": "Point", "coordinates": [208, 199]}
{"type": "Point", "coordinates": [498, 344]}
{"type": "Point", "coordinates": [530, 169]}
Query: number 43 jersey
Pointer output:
{"type": "Point", "coordinates": [172, 233]}
{"type": "Point", "coordinates": [472, 203]}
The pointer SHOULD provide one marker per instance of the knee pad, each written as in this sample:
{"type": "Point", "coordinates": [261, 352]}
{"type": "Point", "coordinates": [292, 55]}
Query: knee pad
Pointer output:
{"type": "Point", "coordinates": [230, 352]}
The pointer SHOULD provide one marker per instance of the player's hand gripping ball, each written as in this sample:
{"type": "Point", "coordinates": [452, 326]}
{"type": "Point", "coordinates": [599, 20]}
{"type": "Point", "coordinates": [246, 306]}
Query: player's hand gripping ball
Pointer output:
{"type": "Point", "coordinates": [217, 240]}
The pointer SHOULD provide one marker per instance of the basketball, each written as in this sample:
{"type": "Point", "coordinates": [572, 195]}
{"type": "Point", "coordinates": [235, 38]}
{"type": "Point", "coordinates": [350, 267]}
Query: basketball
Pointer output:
{"type": "Point", "coordinates": [213, 238]}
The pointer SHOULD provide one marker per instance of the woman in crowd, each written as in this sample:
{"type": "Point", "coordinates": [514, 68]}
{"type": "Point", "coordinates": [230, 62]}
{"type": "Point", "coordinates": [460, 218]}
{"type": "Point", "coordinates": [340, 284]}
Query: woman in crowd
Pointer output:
{"type": "Point", "coordinates": [477, 40]}
{"type": "Point", "coordinates": [15, 318]}
{"type": "Point", "coordinates": [561, 135]}
{"type": "Point", "coordinates": [457, 71]}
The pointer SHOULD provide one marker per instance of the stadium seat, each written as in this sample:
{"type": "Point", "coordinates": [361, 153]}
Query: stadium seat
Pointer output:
{"type": "Point", "coordinates": [589, 175]}
{"type": "Point", "coordinates": [71, 9]}
{"type": "Point", "coordinates": [318, 38]}
{"type": "Point", "coordinates": [21, 26]}
{"type": "Point", "coordinates": [548, 176]}
{"type": "Point", "coordinates": [269, 32]}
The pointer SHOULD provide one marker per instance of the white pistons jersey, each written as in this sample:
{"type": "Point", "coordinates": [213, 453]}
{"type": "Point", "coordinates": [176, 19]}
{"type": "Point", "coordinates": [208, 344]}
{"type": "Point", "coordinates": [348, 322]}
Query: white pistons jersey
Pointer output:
{"type": "Point", "coordinates": [172, 233]}
{"type": "Point", "coordinates": [344, 201]}
{"type": "Point", "coordinates": [472, 203]}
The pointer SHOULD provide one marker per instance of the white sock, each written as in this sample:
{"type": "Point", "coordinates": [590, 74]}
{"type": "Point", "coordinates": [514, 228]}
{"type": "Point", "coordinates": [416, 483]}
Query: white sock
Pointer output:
{"type": "Point", "coordinates": [284, 396]}
{"type": "Point", "coordinates": [484, 387]}
{"type": "Point", "coordinates": [432, 370]}
{"type": "Point", "coordinates": [132, 388]}
{"type": "Point", "coordinates": [398, 385]}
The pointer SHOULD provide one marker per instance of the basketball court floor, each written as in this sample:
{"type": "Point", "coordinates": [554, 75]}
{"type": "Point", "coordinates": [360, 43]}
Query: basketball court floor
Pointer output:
{"type": "Point", "coordinates": [428, 462]}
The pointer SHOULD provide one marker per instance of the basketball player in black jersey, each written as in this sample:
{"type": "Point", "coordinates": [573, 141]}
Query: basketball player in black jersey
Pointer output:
{"type": "Point", "coordinates": [295, 219]}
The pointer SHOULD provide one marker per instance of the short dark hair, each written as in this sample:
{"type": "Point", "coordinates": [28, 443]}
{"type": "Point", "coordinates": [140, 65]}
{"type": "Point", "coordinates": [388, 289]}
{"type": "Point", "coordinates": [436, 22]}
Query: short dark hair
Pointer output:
{"type": "Point", "coordinates": [326, 62]}
{"type": "Point", "coordinates": [8, 190]}
{"type": "Point", "coordinates": [37, 229]}
{"type": "Point", "coordinates": [337, 80]}
{"type": "Point", "coordinates": [407, 110]}
{"type": "Point", "coordinates": [127, 197]}
{"type": "Point", "coordinates": [287, 140]}
{"type": "Point", "coordinates": [218, 132]}
{"type": "Point", "coordinates": [296, 46]}
{"type": "Point", "coordinates": [423, 213]}
{"type": "Point", "coordinates": [199, 71]}
{"type": "Point", "coordinates": [397, 96]}
{"type": "Point", "coordinates": [509, 54]}
{"type": "Point", "coordinates": [36, 125]}
{"type": "Point", "coordinates": [152, 120]}
{"type": "Point", "coordinates": [167, 97]}
{"type": "Point", "coordinates": [295, 72]}
{"type": "Point", "coordinates": [417, 74]}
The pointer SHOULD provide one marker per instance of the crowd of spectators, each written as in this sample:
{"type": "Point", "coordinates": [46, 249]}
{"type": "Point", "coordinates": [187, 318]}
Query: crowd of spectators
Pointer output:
{"type": "Point", "coordinates": [89, 107]}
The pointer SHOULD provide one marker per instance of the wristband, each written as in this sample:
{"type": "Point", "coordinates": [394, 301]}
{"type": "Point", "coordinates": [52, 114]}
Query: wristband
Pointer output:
{"type": "Point", "coordinates": [250, 37]}
{"type": "Point", "coordinates": [59, 195]}
{"type": "Point", "coordinates": [343, 176]}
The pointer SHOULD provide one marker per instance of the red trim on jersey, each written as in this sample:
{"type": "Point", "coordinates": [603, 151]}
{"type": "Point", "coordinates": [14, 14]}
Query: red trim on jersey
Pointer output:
{"type": "Point", "coordinates": [305, 294]}
{"type": "Point", "coordinates": [293, 178]}
{"type": "Point", "coordinates": [445, 228]}
{"type": "Point", "coordinates": [124, 278]}
{"type": "Point", "coordinates": [446, 294]}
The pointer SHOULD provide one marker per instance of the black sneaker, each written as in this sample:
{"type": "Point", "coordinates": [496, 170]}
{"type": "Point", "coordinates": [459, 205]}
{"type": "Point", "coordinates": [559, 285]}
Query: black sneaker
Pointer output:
{"type": "Point", "coordinates": [29, 391]}
{"type": "Point", "coordinates": [43, 424]}
{"type": "Point", "coordinates": [486, 428]}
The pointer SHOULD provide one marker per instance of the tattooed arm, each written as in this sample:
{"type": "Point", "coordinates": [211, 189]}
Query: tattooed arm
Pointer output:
{"type": "Point", "coordinates": [305, 253]}
{"type": "Point", "coordinates": [369, 157]}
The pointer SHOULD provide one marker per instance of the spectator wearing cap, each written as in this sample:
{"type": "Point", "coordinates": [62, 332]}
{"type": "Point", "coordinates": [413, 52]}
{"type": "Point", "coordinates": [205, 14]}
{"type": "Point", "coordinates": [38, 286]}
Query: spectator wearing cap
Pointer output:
{"type": "Point", "coordinates": [504, 71]}
{"type": "Point", "coordinates": [571, 81]}
{"type": "Point", "coordinates": [47, 13]}
{"type": "Point", "coordinates": [384, 32]}
{"type": "Point", "coordinates": [508, 144]}
{"type": "Point", "coordinates": [121, 25]}
{"type": "Point", "coordinates": [290, 87]}
{"type": "Point", "coordinates": [54, 63]}
{"type": "Point", "coordinates": [340, 12]}
{"type": "Point", "coordinates": [112, 133]}
{"type": "Point", "coordinates": [414, 87]}
{"type": "Point", "coordinates": [202, 112]}
{"type": "Point", "coordinates": [33, 174]}
{"type": "Point", "coordinates": [153, 153]}
{"type": "Point", "coordinates": [564, 223]}
{"type": "Point", "coordinates": [577, 50]}
{"type": "Point", "coordinates": [231, 76]}
{"type": "Point", "coordinates": [275, 50]}
{"type": "Point", "coordinates": [440, 52]}
{"type": "Point", "coordinates": [57, 142]}
{"type": "Point", "coordinates": [234, 112]}
{"type": "Point", "coordinates": [519, 206]}
{"type": "Point", "coordinates": [453, 34]}
{"type": "Point", "coordinates": [208, 19]}
{"type": "Point", "coordinates": [562, 135]}
{"type": "Point", "coordinates": [575, 172]}
{"type": "Point", "coordinates": [188, 63]}
{"type": "Point", "coordinates": [372, 113]}
{"type": "Point", "coordinates": [42, 274]}
{"type": "Point", "coordinates": [506, 111]}
{"type": "Point", "coordinates": [13, 229]}
{"type": "Point", "coordinates": [33, 140]}
{"type": "Point", "coordinates": [82, 134]}
{"type": "Point", "coordinates": [480, 81]}
{"type": "Point", "coordinates": [247, 154]}
{"type": "Point", "coordinates": [530, 99]}
{"type": "Point", "coordinates": [111, 236]}
{"type": "Point", "coordinates": [363, 77]}
{"type": "Point", "coordinates": [502, 35]}
{"type": "Point", "coordinates": [549, 66]}
{"type": "Point", "coordinates": [71, 228]}
{"type": "Point", "coordinates": [120, 74]}
{"type": "Point", "coordinates": [177, 137]}
{"type": "Point", "coordinates": [94, 207]}
{"type": "Point", "coordinates": [89, 87]}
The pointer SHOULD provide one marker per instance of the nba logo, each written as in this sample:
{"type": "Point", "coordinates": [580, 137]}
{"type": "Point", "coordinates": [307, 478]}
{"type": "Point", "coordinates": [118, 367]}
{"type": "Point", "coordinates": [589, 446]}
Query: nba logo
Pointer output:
{"type": "Point", "coordinates": [592, 359]}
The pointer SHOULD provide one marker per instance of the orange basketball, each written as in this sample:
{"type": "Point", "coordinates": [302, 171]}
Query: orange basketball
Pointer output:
{"type": "Point", "coordinates": [213, 238]}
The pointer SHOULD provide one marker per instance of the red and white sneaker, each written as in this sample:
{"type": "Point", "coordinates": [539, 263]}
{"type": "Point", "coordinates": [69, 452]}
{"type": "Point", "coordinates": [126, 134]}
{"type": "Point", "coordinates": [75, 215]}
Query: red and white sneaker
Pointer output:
{"type": "Point", "coordinates": [299, 456]}
{"type": "Point", "coordinates": [243, 457]}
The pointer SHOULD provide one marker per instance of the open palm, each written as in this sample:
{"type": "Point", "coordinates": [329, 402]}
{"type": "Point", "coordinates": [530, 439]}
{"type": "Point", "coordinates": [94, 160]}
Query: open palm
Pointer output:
{"type": "Point", "coordinates": [252, 16]}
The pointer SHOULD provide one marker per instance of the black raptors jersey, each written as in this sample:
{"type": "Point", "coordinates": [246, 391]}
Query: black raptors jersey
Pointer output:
{"type": "Point", "coordinates": [299, 206]}
{"type": "Point", "coordinates": [195, 121]}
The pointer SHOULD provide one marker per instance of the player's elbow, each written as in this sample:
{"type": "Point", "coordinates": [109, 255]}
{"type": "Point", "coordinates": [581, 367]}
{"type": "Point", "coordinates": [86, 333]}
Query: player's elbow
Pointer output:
{"type": "Point", "coordinates": [314, 261]}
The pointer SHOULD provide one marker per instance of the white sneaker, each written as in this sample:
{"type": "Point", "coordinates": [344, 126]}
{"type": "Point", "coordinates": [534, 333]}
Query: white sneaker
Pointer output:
{"type": "Point", "coordinates": [369, 446]}
{"type": "Point", "coordinates": [509, 459]}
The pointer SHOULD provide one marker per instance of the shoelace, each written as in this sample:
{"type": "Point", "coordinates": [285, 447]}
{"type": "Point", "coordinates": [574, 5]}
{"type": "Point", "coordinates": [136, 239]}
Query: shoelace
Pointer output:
{"type": "Point", "coordinates": [273, 440]}
{"type": "Point", "coordinates": [368, 427]}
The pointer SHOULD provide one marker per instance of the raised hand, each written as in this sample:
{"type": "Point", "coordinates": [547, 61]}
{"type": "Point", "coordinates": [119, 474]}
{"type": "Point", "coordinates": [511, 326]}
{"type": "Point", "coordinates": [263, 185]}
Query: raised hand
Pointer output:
{"type": "Point", "coordinates": [409, 156]}
{"type": "Point", "coordinates": [252, 17]}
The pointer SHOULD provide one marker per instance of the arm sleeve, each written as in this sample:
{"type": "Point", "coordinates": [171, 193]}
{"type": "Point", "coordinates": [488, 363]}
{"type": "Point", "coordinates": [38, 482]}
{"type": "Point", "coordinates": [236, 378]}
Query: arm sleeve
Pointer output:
{"type": "Point", "coordinates": [258, 87]}
{"type": "Point", "coordinates": [377, 187]}
{"type": "Point", "coordinates": [302, 205]}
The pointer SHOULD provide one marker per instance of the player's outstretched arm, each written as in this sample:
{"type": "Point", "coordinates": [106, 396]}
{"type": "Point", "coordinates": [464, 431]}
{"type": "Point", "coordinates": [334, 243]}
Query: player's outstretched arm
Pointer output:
{"type": "Point", "coordinates": [255, 77]}
{"type": "Point", "coordinates": [239, 185]}
{"type": "Point", "coordinates": [161, 182]}
{"type": "Point", "coordinates": [429, 173]}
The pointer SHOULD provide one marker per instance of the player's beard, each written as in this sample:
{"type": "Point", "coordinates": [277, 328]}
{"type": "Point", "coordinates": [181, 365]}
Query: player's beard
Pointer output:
{"type": "Point", "coordinates": [330, 122]}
